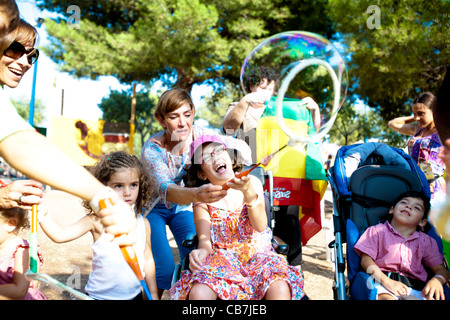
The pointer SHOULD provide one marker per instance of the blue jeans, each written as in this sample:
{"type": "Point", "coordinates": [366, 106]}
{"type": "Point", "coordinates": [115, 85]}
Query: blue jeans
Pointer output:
{"type": "Point", "coordinates": [180, 224]}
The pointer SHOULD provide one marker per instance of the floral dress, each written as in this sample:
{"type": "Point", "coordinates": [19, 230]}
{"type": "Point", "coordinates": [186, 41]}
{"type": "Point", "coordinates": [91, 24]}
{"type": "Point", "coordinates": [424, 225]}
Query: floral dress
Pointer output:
{"type": "Point", "coordinates": [425, 150]}
{"type": "Point", "coordinates": [242, 264]}
{"type": "Point", "coordinates": [7, 264]}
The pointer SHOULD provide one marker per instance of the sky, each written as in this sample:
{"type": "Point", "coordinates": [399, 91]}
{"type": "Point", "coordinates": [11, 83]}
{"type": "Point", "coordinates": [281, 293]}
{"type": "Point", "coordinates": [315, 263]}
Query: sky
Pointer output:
{"type": "Point", "coordinates": [81, 96]}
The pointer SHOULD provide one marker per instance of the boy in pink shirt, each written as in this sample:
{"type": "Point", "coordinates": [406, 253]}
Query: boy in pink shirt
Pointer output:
{"type": "Point", "coordinates": [397, 247]}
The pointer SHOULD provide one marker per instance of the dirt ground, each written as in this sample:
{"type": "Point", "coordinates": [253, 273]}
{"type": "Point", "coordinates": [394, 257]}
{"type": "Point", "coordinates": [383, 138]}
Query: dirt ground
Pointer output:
{"type": "Point", "coordinates": [70, 263]}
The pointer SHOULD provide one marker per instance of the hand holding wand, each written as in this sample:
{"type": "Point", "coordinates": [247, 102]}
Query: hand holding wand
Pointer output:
{"type": "Point", "coordinates": [130, 256]}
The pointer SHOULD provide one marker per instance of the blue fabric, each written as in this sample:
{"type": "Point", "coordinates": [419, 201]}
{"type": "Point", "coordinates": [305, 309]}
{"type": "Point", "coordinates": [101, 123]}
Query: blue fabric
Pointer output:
{"type": "Point", "coordinates": [352, 257]}
{"type": "Point", "coordinates": [363, 287]}
{"type": "Point", "coordinates": [180, 224]}
{"type": "Point", "coordinates": [340, 174]}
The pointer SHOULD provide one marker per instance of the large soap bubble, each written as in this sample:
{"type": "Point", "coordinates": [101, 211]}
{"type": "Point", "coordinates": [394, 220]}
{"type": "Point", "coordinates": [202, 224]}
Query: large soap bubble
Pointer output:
{"type": "Point", "coordinates": [306, 65]}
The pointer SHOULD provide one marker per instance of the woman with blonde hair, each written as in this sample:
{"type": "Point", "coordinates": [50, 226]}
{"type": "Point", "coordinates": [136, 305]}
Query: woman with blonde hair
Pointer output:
{"type": "Point", "coordinates": [31, 153]}
{"type": "Point", "coordinates": [19, 54]}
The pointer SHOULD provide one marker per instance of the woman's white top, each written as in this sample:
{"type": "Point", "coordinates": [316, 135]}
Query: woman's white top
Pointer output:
{"type": "Point", "coordinates": [111, 277]}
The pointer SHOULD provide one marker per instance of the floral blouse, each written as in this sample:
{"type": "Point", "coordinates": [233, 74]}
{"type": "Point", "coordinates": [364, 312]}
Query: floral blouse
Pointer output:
{"type": "Point", "coordinates": [163, 167]}
{"type": "Point", "coordinates": [425, 150]}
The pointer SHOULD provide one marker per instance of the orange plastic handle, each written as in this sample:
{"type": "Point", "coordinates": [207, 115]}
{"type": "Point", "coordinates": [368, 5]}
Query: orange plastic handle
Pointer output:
{"type": "Point", "coordinates": [34, 218]}
{"type": "Point", "coordinates": [127, 251]}
{"type": "Point", "coordinates": [264, 162]}
{"type": "Point", "coordinates": [239, 175]}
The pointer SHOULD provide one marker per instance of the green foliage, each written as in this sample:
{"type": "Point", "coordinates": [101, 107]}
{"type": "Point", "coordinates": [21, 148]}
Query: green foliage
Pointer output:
{"type": "Point", "coordinates": [117, 108]}
{"type": "Point", "coordinates": [406, 55]}
{"type": "Point", "coordinates": [185, 42]}
{"type": "Point", "coordinates": [191, 41]}
{"type": "Point", "coordinates": [23, 109]}
{"type": "Point", "coordinates": [355, 124]}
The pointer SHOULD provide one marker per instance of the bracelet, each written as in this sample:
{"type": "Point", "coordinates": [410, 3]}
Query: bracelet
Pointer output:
{"type": "Point", "coordinates": [441, 278]}
{"type": "Point", "coordinates": [254, 203]}
{"type": "Point", "coordinates": [105, 192]}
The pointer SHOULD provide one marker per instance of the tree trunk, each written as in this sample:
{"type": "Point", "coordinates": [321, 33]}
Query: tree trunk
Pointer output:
{"type": "Point", "coordinates": [184, 81]}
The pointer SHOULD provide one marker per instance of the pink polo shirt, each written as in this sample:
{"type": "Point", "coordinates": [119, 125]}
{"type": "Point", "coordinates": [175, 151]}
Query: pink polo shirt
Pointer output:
{"type": "Point", "coordinates": [393, 253]}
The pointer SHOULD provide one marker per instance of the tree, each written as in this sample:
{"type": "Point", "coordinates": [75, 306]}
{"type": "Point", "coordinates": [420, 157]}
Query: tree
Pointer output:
{"type": "Point", "coordinates": [182, 42]}
{"type": "Point", "coordinates": [355, 124]}
{"type": "Point", "coordinates": [23, 108]}
{"type": "Point", "coordinates": [117, 108]}
{"type": "Point", "coordinates": [215, 106]}
{"type": "Point", "coordinates": [399, 55]}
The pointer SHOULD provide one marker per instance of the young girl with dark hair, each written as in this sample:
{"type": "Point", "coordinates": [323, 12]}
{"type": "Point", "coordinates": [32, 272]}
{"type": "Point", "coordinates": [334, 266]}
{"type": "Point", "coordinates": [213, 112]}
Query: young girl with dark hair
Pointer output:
{"type": "Point", "coordinates": [111, 277]}
{"type": "Point", "coordinates": [234, 259]}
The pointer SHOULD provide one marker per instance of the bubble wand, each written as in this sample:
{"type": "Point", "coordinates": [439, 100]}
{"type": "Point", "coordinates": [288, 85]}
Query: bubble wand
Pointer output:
{"type": "Point", "coordinates": [130, 255]}
{"type": "Point", "coordinates": [264, 162]}
{"type": "Point", "coordinates": [33, 240]}
{"type": "Point", "coordinates": [32, 272]}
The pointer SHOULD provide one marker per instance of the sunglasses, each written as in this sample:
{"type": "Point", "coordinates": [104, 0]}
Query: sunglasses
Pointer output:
{"type": "Point", "coordinates": [206, 158]}
{"type": "Point", "coordinates": [16, 50]}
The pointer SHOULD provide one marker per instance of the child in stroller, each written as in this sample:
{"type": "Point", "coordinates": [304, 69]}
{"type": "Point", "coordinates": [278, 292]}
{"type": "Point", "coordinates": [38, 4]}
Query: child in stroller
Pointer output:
{"type": "Point", "coordinates": [366, 180]}
{"type": "Point", "coordinates": [396, 250]}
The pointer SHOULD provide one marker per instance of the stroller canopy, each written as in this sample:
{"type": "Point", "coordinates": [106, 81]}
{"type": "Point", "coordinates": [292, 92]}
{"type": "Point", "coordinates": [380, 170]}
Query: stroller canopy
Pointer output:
{"type": "Point", "coordinates": [350, 158]}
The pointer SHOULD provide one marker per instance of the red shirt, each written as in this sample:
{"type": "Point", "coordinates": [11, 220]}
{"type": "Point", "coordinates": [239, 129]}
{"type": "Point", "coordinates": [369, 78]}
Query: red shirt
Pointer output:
{"type": "Point", "coordinates": [393, 253]}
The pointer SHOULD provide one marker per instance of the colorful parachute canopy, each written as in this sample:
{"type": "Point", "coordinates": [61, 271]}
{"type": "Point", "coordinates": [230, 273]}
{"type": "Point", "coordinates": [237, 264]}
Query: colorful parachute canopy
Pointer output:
{"type": "Point", "coordinates": [299, 175]}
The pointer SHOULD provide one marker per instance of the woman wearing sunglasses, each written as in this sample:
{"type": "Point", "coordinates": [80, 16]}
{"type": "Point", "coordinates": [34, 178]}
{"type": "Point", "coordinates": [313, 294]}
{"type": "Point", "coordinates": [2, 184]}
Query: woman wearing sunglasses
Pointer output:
{"type": "Point", "coordinates": [18, 54]}
{"type": "Point", "coordinates": [31, 153]}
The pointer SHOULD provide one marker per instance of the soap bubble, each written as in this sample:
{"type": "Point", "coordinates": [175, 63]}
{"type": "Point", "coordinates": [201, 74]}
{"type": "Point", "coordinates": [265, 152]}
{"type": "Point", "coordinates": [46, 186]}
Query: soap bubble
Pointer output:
{"type": "Point", "coordinates": [305, 65]}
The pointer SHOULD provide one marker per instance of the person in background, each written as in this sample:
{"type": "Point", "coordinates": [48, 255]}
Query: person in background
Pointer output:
{"type": "Point", "coordinates": [424, 145]}
{"type": "Point", "coordinates": [15, 258]}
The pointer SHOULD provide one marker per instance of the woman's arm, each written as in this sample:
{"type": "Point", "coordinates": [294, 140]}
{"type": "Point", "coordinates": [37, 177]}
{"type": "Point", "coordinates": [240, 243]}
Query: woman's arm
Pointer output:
{"type": "Point", "coordinates": [18, 288]}
{"type": "Point", "coordinates": [206, 193]}
{"type": "Point", "coordinates": [404, 125]}
{"type": "Point", "coordinates": [154, 160]}
{"type": "Point", "coordinates": [33, 155]}
{"type": "Point", "coordinates": [149, 267]}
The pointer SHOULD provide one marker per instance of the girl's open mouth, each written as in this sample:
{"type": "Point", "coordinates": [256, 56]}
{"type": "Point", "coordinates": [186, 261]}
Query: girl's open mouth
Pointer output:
{"type": "Point", "coordinates": [221, 168]}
